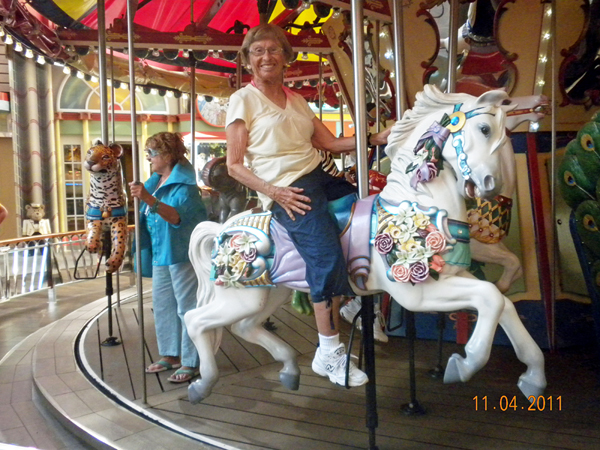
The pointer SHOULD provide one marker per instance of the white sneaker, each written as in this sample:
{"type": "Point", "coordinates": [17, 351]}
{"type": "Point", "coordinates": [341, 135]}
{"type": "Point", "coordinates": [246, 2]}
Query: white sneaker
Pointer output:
{"type": "Point", "coordinates": [333, 366]}
{"type": "Point", "coordinates": [351, 309]}
{"type": "Point", "coordinates": [379, 327]}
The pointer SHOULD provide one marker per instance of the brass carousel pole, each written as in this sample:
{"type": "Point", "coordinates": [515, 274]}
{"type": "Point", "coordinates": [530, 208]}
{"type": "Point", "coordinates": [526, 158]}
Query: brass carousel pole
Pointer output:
{"type": "Point", "coordinates": [114, 139]}
{"type": "Point", "coordinates": [554, 94]}
{"type": "Point", "coordinates": [362, 169]}
{"type": "Point", "coordinates": [438, 370]}
{"type": "Point", "coordinates": [376, 57]}
{"type": "Point", "coordinates": [106, 238]}
{"type": "Point", "coordinates": [320, 86]}
{"type": "Point", "coordinates": [131, 10]}
{"type": "Point", "coordinates": [192, 61]}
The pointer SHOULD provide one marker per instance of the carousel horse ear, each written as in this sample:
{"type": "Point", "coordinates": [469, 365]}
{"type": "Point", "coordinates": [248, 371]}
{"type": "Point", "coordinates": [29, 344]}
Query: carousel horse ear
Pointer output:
{"type": "Point", "coordinates": [495, 97]}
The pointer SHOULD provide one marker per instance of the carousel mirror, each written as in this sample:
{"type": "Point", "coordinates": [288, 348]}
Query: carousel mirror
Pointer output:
{"type": "Point", "coordinates": [580, 69]}
{"type": "Point", "coordinates": [483, 64]}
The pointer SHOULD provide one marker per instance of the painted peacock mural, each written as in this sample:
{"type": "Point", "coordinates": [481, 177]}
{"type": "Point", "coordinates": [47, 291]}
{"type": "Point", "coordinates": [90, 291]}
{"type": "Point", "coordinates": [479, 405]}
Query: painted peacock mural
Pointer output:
{"type": "Point", "coordinates": [579, 183]}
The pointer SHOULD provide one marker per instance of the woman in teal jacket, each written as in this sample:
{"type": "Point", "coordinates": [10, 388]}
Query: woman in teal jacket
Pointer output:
{"type": "Point", "coordinates": [170, 209]}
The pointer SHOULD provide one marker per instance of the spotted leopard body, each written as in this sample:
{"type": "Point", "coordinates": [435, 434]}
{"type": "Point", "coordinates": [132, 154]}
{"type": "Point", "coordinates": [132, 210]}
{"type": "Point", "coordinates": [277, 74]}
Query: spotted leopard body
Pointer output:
{"type": "Point", "coordinates": [106, 205]}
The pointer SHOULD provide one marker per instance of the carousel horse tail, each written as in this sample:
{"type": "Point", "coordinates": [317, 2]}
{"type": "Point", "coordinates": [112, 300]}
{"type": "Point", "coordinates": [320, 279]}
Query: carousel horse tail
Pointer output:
{"type": "Point", "coordinates": [201, 244]}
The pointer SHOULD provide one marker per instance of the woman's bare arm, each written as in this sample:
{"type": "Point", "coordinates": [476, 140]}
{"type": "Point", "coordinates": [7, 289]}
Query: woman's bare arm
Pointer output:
{"type": "Point", "coordinates": [290, 198]}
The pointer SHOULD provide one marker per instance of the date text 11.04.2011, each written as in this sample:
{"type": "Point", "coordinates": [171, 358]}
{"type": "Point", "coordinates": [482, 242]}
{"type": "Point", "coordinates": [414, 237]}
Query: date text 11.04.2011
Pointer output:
{"type": "Point", "coordinates": [505, 403]}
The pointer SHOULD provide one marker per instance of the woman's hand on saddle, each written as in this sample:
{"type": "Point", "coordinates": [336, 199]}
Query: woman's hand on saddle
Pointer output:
{"type": "Point", "coordinates": [291, 199]}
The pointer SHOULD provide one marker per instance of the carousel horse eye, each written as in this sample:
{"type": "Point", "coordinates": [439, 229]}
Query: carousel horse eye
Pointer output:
{"type": "Point", "coordinates": [485, 130]}
{"type": "Point", "coordinates": [589, 223]}
{"type": "Point", "coordinates": [587, 142]}
{"type": "Point", "coordinates": [569, 178]}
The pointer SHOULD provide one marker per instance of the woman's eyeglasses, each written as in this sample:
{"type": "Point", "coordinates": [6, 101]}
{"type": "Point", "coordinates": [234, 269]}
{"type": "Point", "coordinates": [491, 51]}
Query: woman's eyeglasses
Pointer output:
{"type": "Point", "coordinates": [259, 51]}
{"type": "Point", "coordinates": [151, 152]}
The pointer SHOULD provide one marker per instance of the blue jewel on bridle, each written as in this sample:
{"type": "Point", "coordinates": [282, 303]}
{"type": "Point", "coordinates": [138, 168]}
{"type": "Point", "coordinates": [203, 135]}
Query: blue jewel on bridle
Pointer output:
{"type": "Point", "coordinates": [433, 141]}
{"type": "Point", "coordinates": [458, 119]}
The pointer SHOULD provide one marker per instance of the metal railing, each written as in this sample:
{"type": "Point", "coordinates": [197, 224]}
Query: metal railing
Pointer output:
{"type": "Point", "coordinates": [42, 262]}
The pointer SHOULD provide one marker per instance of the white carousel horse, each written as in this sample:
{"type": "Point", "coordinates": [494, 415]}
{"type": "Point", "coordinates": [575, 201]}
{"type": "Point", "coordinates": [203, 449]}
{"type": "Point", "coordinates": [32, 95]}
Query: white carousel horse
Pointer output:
{"type": "Point", "coordinates": [486, 239]}
{"type": "Point", "coordinates": [468, 132]}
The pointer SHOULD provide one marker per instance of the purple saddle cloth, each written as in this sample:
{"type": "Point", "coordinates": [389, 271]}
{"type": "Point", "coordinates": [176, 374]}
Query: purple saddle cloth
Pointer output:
{"type": "Point", "coordinates": [289, 268]}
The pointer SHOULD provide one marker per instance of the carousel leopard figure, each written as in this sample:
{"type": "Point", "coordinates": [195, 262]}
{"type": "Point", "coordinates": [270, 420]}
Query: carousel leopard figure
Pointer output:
{"type": "Point", "coordinates": [106, 205]}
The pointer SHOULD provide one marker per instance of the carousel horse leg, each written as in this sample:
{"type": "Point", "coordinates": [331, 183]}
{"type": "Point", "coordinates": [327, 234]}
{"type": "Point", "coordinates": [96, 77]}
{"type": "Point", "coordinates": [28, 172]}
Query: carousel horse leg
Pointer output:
{"type": "Point", "coordinates": [498, 254]}
{"type": "Point", "coordinates": [533, 381]}
{"type": "Point", "coordinates": [251, 330]}
{"type": "Point", "coordinates": [489, 303]}
{"type": "Point", "coordinates": [228, 307]}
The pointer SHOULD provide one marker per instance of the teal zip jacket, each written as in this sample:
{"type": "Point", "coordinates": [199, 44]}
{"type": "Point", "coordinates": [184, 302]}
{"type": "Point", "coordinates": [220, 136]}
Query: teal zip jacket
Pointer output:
{"type": "Point", "coordinates": [168, 244]}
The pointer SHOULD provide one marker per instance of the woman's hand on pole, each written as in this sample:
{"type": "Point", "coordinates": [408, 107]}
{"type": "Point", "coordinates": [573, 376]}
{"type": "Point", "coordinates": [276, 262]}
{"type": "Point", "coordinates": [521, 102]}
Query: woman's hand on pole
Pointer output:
{"type": "Point", "coordinates": [291, 199]}
{"type": "Point", "coordinates": [138, 190]}
{"type": "Point", "coordinates": [380, 138]}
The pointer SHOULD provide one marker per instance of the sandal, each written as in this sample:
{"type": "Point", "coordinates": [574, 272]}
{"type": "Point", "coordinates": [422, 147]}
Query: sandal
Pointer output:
{"type": "Point", "coordinates": [163, 366]}
{"type": "Point", "coordinates": [183, 375]}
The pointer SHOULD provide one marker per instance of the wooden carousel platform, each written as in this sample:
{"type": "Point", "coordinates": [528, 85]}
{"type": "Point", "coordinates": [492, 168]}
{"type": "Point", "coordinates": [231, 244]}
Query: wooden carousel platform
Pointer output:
{"type": "Point", "coordinates": [96, 391]}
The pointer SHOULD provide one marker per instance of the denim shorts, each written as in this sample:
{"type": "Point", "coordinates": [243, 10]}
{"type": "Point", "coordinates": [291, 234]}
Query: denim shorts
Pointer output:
{"type": "Point", "coordinates": [315, 235]}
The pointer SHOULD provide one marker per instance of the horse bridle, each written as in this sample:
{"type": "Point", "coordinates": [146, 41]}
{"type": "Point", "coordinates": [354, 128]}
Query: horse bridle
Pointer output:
{"type": "Point", "coordinates": [457, 121]}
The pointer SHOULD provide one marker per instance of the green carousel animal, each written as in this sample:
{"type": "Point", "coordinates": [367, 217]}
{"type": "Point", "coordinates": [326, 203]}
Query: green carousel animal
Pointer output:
{"type": "Point", "coordinates": [579, 183]}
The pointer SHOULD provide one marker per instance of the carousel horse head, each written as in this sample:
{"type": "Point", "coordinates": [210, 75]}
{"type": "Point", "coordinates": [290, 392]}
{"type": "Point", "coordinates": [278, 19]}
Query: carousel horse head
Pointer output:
{"type": "Point", "coordinates": [459, 134]}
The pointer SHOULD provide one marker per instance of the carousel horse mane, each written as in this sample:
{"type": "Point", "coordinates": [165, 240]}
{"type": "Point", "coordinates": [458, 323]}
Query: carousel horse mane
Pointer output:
{"type": "Point", "coordinates": [429, 106]}
{"type": "Point", "coordinates": [428, 101]}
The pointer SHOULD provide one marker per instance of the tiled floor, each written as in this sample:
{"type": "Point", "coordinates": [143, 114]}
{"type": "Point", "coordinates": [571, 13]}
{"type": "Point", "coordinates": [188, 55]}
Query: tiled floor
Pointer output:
{"type": "Point", "coordinates": [23, 321]}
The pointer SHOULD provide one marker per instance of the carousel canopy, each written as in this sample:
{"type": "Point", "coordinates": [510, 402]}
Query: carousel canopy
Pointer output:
{"type": "Point", "coordinates": [173, 35]}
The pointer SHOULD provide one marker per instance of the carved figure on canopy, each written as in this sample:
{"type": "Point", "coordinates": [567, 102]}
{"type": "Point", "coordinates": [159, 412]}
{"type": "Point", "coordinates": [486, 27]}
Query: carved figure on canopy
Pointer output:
{"type": "Point", "coordinates": [444, 150]}
{"type": "Point", "coordinates": [483, 63]}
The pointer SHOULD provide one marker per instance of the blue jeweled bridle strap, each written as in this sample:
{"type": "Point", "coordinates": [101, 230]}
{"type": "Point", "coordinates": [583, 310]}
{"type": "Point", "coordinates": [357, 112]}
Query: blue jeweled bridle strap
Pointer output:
{"type": "Point", "coordinates": [458, 119]}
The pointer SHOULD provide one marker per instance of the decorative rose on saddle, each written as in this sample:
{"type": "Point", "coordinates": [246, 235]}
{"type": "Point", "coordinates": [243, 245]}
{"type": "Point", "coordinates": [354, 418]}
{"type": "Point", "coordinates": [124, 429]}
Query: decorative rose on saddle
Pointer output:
{"type": "Point", "coordinates": [234, 258]}
{"type": "Point", "coordinates": [411, 244]}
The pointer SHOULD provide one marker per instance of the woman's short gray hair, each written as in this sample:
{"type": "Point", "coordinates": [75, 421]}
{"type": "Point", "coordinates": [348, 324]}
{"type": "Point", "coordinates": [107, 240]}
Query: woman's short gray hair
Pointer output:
{"type": "Point", "coordinates": [169, 145]}
{"type": "Point", "coordinates": [262, 32]}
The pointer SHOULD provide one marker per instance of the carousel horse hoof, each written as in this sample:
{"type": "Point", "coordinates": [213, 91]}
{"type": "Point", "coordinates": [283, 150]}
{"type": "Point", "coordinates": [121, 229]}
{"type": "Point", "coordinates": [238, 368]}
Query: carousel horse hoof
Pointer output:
{"type": "Point", "coordinates": [452, 373]}
{"type": "Point", "coordinates": [290, 381]}
{"type": "Point", "coordinates": [530, 390]}
{"type": "Point", "coordinates": [197, 393]}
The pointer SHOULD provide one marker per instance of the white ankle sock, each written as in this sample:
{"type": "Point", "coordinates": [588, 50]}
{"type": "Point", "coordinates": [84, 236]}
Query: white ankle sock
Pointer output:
{"type": "Point", "coordinates": [329, 343]}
